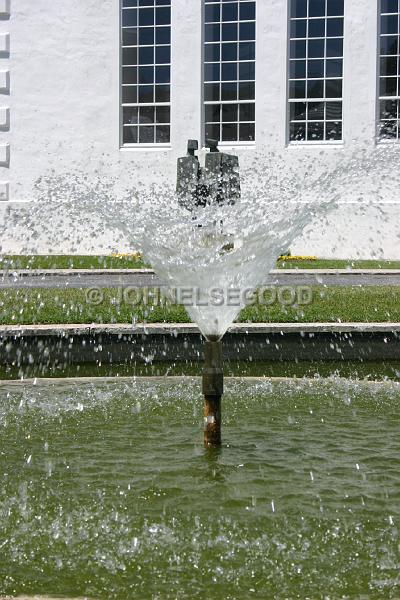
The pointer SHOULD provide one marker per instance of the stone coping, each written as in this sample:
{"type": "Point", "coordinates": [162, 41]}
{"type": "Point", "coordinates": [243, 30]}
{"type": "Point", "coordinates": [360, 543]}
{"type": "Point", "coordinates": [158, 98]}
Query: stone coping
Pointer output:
{"type": "Point", "coordinates": [175, 329]}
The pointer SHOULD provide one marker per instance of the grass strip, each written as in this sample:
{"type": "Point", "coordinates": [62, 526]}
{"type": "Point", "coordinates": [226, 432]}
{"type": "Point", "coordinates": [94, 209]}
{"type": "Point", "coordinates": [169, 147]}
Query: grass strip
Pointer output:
{"type": "Point", "coordinates": [71, 306]}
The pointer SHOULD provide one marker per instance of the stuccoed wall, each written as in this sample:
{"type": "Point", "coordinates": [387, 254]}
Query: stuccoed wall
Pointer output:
{"type": "Point", "coordinates": [59, 113]}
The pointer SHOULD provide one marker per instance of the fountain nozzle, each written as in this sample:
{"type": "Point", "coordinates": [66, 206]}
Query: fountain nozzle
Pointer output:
{"type": "Point", "coordinates": [213, 389]}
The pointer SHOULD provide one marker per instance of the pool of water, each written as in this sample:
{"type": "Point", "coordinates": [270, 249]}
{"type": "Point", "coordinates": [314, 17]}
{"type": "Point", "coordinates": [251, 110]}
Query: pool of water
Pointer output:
{"type": "Point", "coordinates": [107, 492]}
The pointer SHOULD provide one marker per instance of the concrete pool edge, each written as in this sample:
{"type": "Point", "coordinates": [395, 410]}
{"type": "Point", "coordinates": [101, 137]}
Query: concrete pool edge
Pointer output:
{"type": "Point", "coordinates": [52, 345]}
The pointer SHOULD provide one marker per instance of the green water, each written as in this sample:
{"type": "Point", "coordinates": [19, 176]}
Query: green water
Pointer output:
{"type": "Point", "coordinates": [107, 492]}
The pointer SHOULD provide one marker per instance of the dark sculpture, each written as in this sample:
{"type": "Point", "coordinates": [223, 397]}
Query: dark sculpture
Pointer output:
{"type": "Point", "coordinates": [218, 182]}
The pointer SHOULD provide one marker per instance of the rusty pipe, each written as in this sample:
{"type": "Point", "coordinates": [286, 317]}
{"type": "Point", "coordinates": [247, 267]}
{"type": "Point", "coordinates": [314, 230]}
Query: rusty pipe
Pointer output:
{"type": "Point", "coordinates": [213, 389]}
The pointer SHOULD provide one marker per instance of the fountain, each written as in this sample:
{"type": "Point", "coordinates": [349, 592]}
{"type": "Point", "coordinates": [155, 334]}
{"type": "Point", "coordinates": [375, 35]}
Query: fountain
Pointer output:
{"type": "Point", "coordinates": [304, 498]}
{"type": "Point", "coordinates": [218, 183]}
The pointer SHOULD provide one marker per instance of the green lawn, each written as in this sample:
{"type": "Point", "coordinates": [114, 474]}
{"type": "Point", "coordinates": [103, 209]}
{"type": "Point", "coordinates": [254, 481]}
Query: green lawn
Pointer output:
{"type": "Point", "coordinates": [34, 306]}
{"type": "Point", "coordinates": [131, 262]}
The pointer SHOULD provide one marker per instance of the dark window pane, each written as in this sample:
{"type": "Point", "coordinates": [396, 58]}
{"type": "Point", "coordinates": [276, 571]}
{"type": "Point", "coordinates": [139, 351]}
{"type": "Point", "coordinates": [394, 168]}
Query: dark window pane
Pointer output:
{"type": "Point", "coordinates": [297, 69]}
{"type": "Point", "coordinates": [229, 51]}
{"type": "Point", "coordinates": [163, 35]}
{"type": "Point", "coordinates": [212, 52]}
{"type": "Point", "coordinates": [212, 33]}
{"type": "Point", "coordinates": [334, 27]}
{"type": "Point", "coordinates": [211, 92]}
{"type": "Point", "coordinates": [230, 132]}
{"type": "Point", "coordinates": [129, 56]}
{"type": "Point", "coordinates": [316, 48]}
{"type": "Point", "coordinates": [335, 8]}
{"type": "Point", "coordinates": [146, 115]}
{"type": "Point", "coordinates": [212, 13]}
{"type": "Point", "coordinates": [229, 91]}
{"type": "Point", "coordinates": [297, 89]}
{"type": "Point", "coordinates": [131, 115]}
{"type": "Point", "coordinates": [163, 134]}
{"type": "Point", "coordinates": [129, 18]}
{"type": "Point", "coordinates": [146, 94]}
{"type": "Point", "coordinates": [247, 11]}
{"type": "Point", "coordinates": [129, 75]}
{"type": "Point", "coordinates": [146, 74]}
{"type": "Point", "coordinates": [146, 56]}
{"type": "Point", "coordinates": [163, 2]}
{"type": "Point", "coordinates": [389, 24]}
{"type": "Point", "coordinates": [229, 113]}
{"type": "Point", "coordinates": [146, 16]}
{"type": "Point", "coordinates": [163, 114]}
{"type": "Point", "coordinates": [388, 109]}
{"type": "Point", "coordinates": [298, 9]}
{"type": "Point", "coordinates": [315, 89]}
{"type": "Point", "coordinates": [298, 29]}
{"type": "Point", "coordinates": [229, 72]}
{"type": "Point", "coordinates": [213, 132]}
{"type": "Point", "coordinates": [146, 135]}
{"type": "Point", "coordinates": [333, 88]}
{"type": "Point", "coordinates": [316, 28]}
{"type": "Point", "coordinates": [129, 94]}
{"type": "Point", "coordinates": [389, 45]}
{"type": "Point", "coordinates": [297, 132]}
{"type": "Point", "coordinates": [163, 16]}
{"type": "Point", "coordinates": [247, 51]}
{"type": "Point", "coordinates": [316, 111]}
{"type": "Point", "coordinates": [247, 112]}
{"type": "Point", "coordinates": [298, 111]}
{"type": "Point", "coordinates": [129, 3]}
{"type": "Point", "coordinates": [246, 132]}
{"type": "Point", "coordinates": [163, 74]}
{"type": "Point", "coordinates": [212, 72]}
{"type": "Point", "coordinates": [298, 49]}
{"type": "Point", "coordinates": [388, 129]}
{"type": "Point", "coordinates": [333, 131]}
{"type": "Point", "coordinates": [230, 11]}
{"type": "Point", "coordinates": [315, 132]}
{"type": "Point", "coordinates": [388, 86]}
{"type": "Point", "coordinates": [389, 65]}
{"type": "Point", "coordinates": [315, 68]}
{"type": "Point", "coordinates": [389, 6]}
{"type": "Point", "coordinates": [163, 54]}
{"type": "Point", "coordinates": [146, 3]}
{"type": "Point", "coordinates": [247, 31]}
{"type": "Point", "coordinates": [247, 91]}
{"type": "Point", "coordinates": [213, 113]}
{"type": "Point", "coordinates": [333, 111]}
{"type": "Point", "coordinates": [334, 68]}
{"type": "Point", "coordinates": [247, 70]}
{"type": "Point", "coordinates": [334, 47]}
{"type": "Point", "coordinates": [316, 8]}
{"type": "Point", "coordinates": [130, 37]}
{"type": "Point", "coordinates": [130, 135]}
{"type": "Point", "coordinates": [229, 32]}
{"type": "Point", "coordinates": [162, 93]}
{"type": "Point", "coordinates": [146, 36]}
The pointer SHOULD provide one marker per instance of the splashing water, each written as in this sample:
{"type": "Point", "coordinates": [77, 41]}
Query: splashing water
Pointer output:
{"type": "Point", "coordinates": [218, 253]}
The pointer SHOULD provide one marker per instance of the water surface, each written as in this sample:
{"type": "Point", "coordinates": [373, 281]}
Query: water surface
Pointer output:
{"type": "Point", "coordinates": [107, 492]}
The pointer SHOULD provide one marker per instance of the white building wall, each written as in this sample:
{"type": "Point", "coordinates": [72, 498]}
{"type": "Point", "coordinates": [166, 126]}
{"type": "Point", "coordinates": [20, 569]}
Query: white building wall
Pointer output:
{"type": "Point", "coordinates": [59, 90]}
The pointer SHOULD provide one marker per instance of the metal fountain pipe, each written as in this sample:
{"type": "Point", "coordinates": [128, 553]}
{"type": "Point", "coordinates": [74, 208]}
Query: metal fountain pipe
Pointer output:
{"type": "Point", "coordinates": [213, 389]}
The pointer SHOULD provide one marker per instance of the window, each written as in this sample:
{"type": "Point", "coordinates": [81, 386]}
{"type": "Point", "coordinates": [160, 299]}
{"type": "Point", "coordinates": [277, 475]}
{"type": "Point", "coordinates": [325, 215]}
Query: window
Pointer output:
{"type": "Point", "coordinates": [315, 70]}
{"type": "Point", "coordinates": [229, 70]}
{"type": "Point", "coordinates": [146, 71]}
{"type": "Point", "coordinates": [389, 73]}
